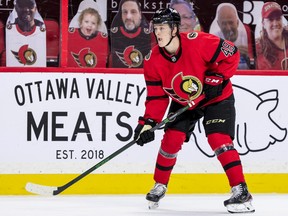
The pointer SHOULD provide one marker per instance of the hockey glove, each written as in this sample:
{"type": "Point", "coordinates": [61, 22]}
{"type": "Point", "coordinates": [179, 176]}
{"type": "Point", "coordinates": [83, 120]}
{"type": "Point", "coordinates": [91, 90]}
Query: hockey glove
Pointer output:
{"type": "Point", "coordinates": [142, 133]}
{"type": "Point", "coordinates": [212, 85]}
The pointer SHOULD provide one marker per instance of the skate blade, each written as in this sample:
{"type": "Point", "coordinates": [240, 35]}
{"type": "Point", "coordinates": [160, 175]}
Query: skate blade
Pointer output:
{"type": "Point", "coordinates": [241, 208]}
{"type": "Point", "coordinates": [153, 205]}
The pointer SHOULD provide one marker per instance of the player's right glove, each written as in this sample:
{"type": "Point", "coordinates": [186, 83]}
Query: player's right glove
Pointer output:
{"type": "Point", "coordinates": [212, 85]}
{"type": "Point", "coordinates": [142, 133]}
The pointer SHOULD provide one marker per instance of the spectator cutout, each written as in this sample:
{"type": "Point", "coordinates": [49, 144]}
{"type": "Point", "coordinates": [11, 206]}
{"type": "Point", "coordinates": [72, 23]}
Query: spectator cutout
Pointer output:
{"type": "Point", "coordinates": [131, 38]}
{"type": "Point", "coordinates": [25, 36]}
{"type": "Point", "coordinates": [227, 25]}
{"type": "Point", "coordinates": [189, 20]}
{"type": "Point", "coordinates": [87, 37]}
{"type": "Point", "coordinates": [272, 43]}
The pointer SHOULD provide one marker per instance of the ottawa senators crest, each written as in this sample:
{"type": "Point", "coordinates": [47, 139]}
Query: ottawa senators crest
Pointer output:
{"type": "Point", "coordinates": [130, 57]}
{"type": "Point", "coordinates": [25, 55]}
{"type": "Point", "coordinates": [184, 88]}
{"type": "Point", "coordinates": [85, 58]}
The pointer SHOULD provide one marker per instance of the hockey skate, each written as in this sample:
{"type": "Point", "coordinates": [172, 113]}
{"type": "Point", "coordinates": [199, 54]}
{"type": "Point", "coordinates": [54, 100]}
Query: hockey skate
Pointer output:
{"type": "Point", "coordinates": [155, 194]}
{"type": "Point", "coordinates": [240, 201]}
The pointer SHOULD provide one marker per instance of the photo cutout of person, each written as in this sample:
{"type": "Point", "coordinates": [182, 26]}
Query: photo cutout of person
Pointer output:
{"type": "Point", "coordinates": [131, 39]}
{"type": "Point", "coordinates": [25, 36]}
{"type": "Point", "coordinates": [272, 44]}
{"type": "Point", "coordinates": [189, 20]}
{"type": "Point", "coordinates": [87, 37]}
{"type": "Point", "coordinates": [227, 25]}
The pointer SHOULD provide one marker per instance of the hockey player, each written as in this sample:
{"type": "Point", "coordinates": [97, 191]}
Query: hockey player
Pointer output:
{"type": "Point", "coordinates": [184, 67]}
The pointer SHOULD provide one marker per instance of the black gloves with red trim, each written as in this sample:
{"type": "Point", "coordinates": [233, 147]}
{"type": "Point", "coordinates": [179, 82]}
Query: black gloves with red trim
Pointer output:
{"type": "Point", "coordinates": [142, 133]}
{"type": "Point", "coordinates": [212, 85]}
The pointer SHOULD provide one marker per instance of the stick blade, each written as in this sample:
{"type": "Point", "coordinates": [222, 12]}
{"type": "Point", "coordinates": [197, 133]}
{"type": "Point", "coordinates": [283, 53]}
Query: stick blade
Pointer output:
{"type": "Point", "coordinates": [41, 189]}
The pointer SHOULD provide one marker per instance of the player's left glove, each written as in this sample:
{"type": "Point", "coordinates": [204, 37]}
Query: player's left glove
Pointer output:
{"type": "Point", "coordinates": [142, 133]}
{"type": "Point", "coordinates": [212, 85]}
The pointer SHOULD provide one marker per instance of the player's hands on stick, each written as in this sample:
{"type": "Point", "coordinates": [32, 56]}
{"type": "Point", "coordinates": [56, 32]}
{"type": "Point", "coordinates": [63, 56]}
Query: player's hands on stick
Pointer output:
{"type": "Point", "coordinates": [142, 133]}
{"type": "Point", "coordinates": [212, 85]}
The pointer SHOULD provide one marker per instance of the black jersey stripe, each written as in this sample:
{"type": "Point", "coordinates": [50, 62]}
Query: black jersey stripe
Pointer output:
{"type": "Point", "coordinates": [156, 97]}
{"type": "Point", "coordinates": [153, 83]}
{"type": "Point", "coordinates": [218, 50]}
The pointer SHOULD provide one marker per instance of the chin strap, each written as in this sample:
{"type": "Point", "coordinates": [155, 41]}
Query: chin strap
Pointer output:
{"type": "Point", "coordinates": [170, 41]}
{"type": "Point", "coordinates": [177, 33]}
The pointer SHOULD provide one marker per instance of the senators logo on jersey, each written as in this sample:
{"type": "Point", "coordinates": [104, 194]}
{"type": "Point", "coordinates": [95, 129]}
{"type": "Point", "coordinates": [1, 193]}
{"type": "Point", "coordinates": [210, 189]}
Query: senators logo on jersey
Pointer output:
{"type": "Point", "coordinates": [130, 57]}
{"type": "Point", "coordinates": [25, 55]}
{"type": "Point", "coordinates": [85, 58]}
{"type": "Point", "coordinates": [184, 88]}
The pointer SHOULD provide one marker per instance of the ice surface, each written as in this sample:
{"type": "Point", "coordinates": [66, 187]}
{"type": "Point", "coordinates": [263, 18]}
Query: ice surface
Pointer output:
{"type": "Point", "coordinates": [120, 205]}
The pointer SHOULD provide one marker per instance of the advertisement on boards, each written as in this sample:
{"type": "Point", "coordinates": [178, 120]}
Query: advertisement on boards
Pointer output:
{"type": "Point", "coordinates": [64, 123]}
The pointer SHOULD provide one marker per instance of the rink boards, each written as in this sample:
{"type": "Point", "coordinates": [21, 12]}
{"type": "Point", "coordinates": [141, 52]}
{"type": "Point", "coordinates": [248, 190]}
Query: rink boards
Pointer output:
{"type": "Point", "coordinates": [55, 126]}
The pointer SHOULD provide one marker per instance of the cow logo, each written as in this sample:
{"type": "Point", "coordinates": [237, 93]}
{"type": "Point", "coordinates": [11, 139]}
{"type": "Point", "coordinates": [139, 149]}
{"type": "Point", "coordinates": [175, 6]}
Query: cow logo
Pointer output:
{"type": "Point", "coordinates": [25, 55]}
{"type": "Point", "coordinates": [85, 58]}
{"type": "Point", "coordinates": [130, 57]}
{"type": "Point", "coordinates": [184, 88]}
{"type": "Point", "coordinates": [250, 135]}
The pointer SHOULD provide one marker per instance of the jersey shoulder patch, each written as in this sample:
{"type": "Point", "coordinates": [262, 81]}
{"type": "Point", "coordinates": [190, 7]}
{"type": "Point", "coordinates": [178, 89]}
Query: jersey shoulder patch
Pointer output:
{"type": "Point", "coordinates": [192, 35]}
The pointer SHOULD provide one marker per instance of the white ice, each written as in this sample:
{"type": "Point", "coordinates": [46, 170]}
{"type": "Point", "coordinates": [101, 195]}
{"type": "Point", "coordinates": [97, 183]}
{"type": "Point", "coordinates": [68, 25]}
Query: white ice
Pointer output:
{"type": "Point", "coordinates": [125, 205]}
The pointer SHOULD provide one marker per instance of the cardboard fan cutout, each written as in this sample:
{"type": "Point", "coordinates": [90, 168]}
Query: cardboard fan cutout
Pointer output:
{"type": "Point", "coordinates": [25, 36]}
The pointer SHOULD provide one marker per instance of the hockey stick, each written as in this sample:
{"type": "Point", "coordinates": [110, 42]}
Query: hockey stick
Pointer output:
{"type": "Point", "coordinates": [53, 190]}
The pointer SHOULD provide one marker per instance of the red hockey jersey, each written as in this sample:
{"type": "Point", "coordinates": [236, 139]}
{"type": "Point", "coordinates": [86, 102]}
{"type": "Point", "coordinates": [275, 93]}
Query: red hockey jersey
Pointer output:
{"type": "Point", "coordinates": [181, 76]}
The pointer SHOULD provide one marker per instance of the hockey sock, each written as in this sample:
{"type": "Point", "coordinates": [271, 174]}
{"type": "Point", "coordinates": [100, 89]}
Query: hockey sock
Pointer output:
{"type": "Point", "coordinates": [228, 156]}
{"type": "Point", "coordinates": [232, 166]}
{"type": "Point", "coordinates": [167, 155]}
